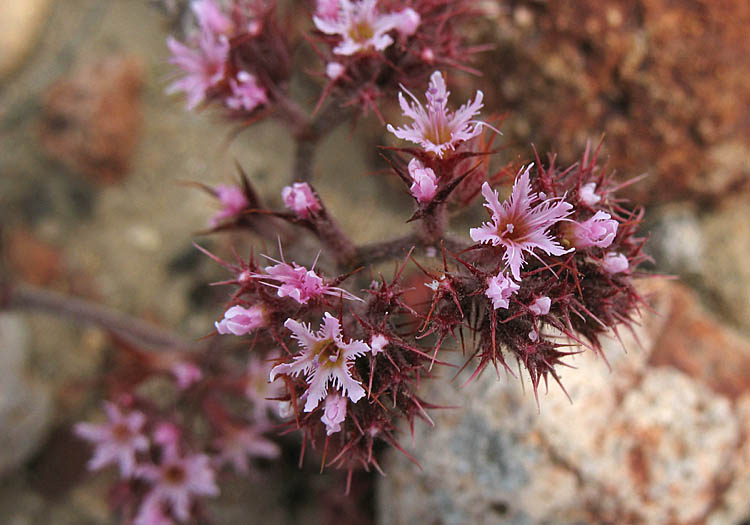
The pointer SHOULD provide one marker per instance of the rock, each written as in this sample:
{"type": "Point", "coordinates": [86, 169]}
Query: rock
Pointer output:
{"type": "Point", "coordinates": [25, 406]}
{"type": "Point", "coordinates": [654, 440]}
{"type": "Point", "coordinates": [572, 71]}
{"type": "Point", "coordinates": [21, 24]}
{"type": "Point", "coordinates": [32, 259]}
{"type": "Point", "coordinates": [92, 117]}
{"type": "Point", "coordinates": [732, 506]}
{"type": "Point", "coordinates": [70, 373]}
{"type": "Point", "coordinates": [691, 340]}
{"type": "Point", "coordinates": [707, 250]}
{"type": "Point", "coordinates": [726, 273]}
{"type": "Point", "coordinates": [677, 240]}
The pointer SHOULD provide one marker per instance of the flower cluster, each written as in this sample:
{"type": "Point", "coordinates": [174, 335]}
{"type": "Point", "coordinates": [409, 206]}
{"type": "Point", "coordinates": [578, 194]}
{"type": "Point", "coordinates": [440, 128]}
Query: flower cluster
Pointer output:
{"type": "Point", "coordinates": [435, 128]}
{"type": "Point", "coordinates": [241, 56]}
{"type": "Point", "coordinates": [237, 56]}
{"type": "Point", "coordinates": [361, 26]}
{"type": "Point", "coordinates": [166, 471]}
{"type": "Point", "coordinates": [322, 346]}
{"type": "Point", "coordinates": [557, 255]}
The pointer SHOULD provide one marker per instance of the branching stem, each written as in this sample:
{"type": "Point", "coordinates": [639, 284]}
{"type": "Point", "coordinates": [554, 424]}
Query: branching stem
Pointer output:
{"type": "Point", "coordinates": [24, 297]}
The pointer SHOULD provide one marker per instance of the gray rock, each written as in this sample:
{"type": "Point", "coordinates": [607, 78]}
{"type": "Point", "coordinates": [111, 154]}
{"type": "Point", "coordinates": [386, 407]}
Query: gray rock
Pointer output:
{"type": "Point", "coordinates": [20, 26]}
{"type": "Point", "coordinates": [726, 272]}
{"type": "Point", "coordinates": [639, 444]}
{"type": "Point", "coordinates": [677, 241]}
{"type": "Point", "coordinates": [25, 405]}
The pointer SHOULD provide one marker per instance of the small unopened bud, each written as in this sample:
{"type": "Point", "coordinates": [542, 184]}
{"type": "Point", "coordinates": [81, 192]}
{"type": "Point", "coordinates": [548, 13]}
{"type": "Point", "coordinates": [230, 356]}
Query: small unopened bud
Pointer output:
{"type": "Point", "coordinates": [425, 182]}
{"type": "Point", "coordinates": [408, 21]}
{"type": "Point", "coordinates": [254, 28]}
{"type": "Point", "coordinates": [428, 55]}
{"type": "Point", "coordinates": [239, 320]}
{"type": "Point", "coordinates": [499, 290]}
{"type": "Point", "coordinates": [588, 194]}
{"type": "Point", "coordinates": [599, 230]}
{"type": "Point", "coordinates": [540, 306]}
{"type": "Point", "coordinates": [300, 198]}
{"type": "Point", "coordinates": [334, 70]}
{"type": "Point", "coordinates": [615, 263]}
{"type": "Point", "coordinates": [378, 343]}
{"type": "Point", "coordinates": [334, 413]}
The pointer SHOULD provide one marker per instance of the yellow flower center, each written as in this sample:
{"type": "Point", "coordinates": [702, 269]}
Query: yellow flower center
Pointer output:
{"type": "Point", "coordinates": [327, 354]}
{"type": "Point", "coordinates": [438, 133]}
{"type": "Point", "coordinates": [174, 474]}
{"type": "Point", "coordinates": [361, 32]}
{"type": "Point", "coordinates": [121, 432]}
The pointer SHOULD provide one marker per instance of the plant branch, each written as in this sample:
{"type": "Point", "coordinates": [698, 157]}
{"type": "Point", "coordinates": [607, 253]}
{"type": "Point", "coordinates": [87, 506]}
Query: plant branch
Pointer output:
{"type": "Point", "coordinates": [307, 133]}
{"type": "Point", "coordinates": [24, 297]}
{"type": "Point", "coordinates": [304, 157]}
{"type": "Point", "coordinates": [399, 247]}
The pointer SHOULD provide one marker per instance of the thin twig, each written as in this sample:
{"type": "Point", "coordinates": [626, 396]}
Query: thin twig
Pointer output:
{"type": "Point", "coordinates": [304, 158]}
{"type": "Point", "coordinates": [308, 134]}
{"type": "Point", "coordinates": [399, 247]}
{"type": "Point", "coordinates": [24, 297]}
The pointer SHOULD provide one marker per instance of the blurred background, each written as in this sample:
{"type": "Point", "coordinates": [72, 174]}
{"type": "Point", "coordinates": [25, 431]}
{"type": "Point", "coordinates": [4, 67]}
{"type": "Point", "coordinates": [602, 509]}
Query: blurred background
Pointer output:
{"type": "Point", "coordinates": [92, 156]}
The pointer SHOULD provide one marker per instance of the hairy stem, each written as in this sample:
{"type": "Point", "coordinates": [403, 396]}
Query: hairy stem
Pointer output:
{"type": "Point", "coordinates": [304, 157]}
{"type": "Point", "coordinates": [434, 224]}
{"type": "Point", "coordinates": [23, 297]}
{"type": "Point", "coordinates": [338, 243]}
{"type": "Point", "coordinates": [399, 247]}
{"type": "Point", "coordinates": [307, 137]}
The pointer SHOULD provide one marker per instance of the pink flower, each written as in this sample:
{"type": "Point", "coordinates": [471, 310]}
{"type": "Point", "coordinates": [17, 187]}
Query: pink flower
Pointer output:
{"type": "Point", "coordinates": [615, 263]}
{"type": "Point", "coordinates": [588, 194]}
{"type": "Point", "coordinates": [300, 198]}
{"type": "Point", "coordinates": [239, 320]}
{"type": "Point", "coordinates": [239, 444]}
{"type": "Point", "coordinates": [258, 390]}
{"type": "Point", "coordinates": [178, 479]}
{"type": "Point", "coordinates": [599, 230]}
{"type": "Point", "coordinates": [499, 290]}
{"type": "Point", "coordinates": [297, 282]}
{"type": "Point", "coordinates": [435, 128]}
{"type": "Point", "coordinates": [117, 441]}
{"type": "Point", "coordinates": [325, 358]}
{"type": "Point", "coordinates": [247, 94]}
{"type": "Point", "coordinates": [541, 305]}
{"type": "Point", "coordinates": [327, 9]}
{"type": "Point", "coordinates": [334, 70]}
{"type": "Point", "coordinates": [408, 21]}
{"type": "Point", "coordinates": [204, 67]}
{"type": "Point", "coordinates": [361, 25]}
{"type": "Point", "coordinates": [301, 284]}
{"type": "Point", "coordinates": [186, 374]}
{"type": "Point", "coordinates": [151, 512]}
{"type": "Point", "coordinates": [210, 18]}
{"type": "Point", "coordinates": [334, 413]}
{"type": "Point", "coordinates": [425, 182]}
{"type": "Point", "coordinates": [378, 342]}
{"type": "Point", "coordinates": [520, 223]}
{"type": "Point", "coordinates": [167, 435]}
{"type": "Point", "coordinates": [233, 201]}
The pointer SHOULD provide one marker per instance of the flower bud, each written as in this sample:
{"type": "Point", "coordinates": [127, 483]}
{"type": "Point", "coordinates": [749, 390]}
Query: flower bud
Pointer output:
{"type": "Point", "coordinates": [239, 320]}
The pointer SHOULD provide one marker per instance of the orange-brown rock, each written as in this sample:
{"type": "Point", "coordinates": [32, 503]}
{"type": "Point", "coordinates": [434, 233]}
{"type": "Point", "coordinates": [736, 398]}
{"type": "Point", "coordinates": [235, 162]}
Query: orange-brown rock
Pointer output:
{"type": "Point", "coordinates": [92, 117]}
{"type": "Point", "coordinates": [32, 259]}
{"type": "Point", "coordinates": [666, 81]}
{"type": "Point", "coordinates": [693, 341]}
